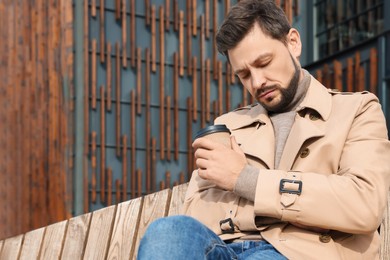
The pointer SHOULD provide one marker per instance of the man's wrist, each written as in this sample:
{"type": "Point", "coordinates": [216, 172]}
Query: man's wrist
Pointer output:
{"type": "Point", "coordinates": [246, 183]}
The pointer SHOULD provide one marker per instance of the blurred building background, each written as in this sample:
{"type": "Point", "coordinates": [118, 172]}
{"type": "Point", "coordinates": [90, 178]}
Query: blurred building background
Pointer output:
{"type": "Point", "coordinates": [100, 99]}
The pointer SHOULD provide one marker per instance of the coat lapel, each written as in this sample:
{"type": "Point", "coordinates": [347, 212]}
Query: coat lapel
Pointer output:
{"type": "Point", "coordinates": [302, 130]}
{"type": "Point", "coordinates": [261, 143]}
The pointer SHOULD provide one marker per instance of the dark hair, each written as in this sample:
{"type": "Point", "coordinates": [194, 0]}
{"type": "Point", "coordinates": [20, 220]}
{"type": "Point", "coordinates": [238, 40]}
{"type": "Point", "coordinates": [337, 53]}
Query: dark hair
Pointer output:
{"type": "Point", "coordinates": [242, 17]}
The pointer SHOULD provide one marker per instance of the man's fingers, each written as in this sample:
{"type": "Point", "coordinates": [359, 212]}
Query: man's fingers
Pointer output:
{"type": "Point", "coordinates": [204, 143]}
{"type": "Point", "coordinates": [201, 163]}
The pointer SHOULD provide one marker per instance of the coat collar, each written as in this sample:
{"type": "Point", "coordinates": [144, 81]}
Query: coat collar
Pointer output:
{"type": "Point", "coordinates": [318, 99]}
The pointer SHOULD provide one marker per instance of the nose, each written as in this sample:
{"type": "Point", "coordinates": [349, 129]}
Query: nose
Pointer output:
{"type": "Point", "coordinates": [258, 79]}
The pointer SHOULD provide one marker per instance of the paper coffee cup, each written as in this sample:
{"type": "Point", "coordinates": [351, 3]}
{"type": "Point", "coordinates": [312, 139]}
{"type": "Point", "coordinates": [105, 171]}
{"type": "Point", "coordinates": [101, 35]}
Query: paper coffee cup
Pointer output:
{"type": "Point", "coordinates": [217, 133]}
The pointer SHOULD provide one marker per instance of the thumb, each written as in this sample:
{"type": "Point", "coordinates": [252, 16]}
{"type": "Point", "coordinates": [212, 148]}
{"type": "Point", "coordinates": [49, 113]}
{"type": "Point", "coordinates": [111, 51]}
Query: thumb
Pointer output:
{"type": "Point", "coordinates": [235, 145]}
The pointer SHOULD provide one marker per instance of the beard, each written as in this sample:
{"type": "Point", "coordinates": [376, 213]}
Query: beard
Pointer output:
{"type": "Point", "coordinates": [287, 94]}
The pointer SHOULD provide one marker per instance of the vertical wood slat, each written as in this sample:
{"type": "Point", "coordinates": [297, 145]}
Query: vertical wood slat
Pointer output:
{"type": "Point", "coordinates": [93, 74]}
{"type": "Point", "coordinates": [215, 51]}
{"type": "Point", "coordinates": [108, 77]}
{"type": "Point", "coordinates": [75, 238]}
{"type": "Point", "coordinates": [86, 78]}
{"type": "Point", "coordinates": [147, 12]}
{"type": "Point", "coordinates": [11, 247]}
{"type": "Point", "coordinates": [139, 182]}
{"type": "Point", "coordinates": [57, 207]}
{"type": "Point", "coordinates": [189, 36]}
{"type": "Point", "coordinates": [31, 244]}
{"type": "Point", "coordinates": [139, 81]}
{"type": "Point", "coordinates": [147, 123]}
{"type": "Point", "coordinates": [194, 19]}
{"type": "Point", "coordinates": [154, 206]}
{"type": "Point", "coordinates": [374, 70]}
{"type": "Point", "coordinates": [52, 241]}
{"type": "Point", "coordinates": [122, 241]}
{"type": "Point", "coordinates": [195, 88]}
{"type": "Point", "coordinates": [167, 14]}
{"type": "Point", "coordinates": [124, 33]}
{"type": "Point", "coordinates": [93, 8]}
{"type": "Point", "coordinates": [326, 75]}
{"type": "Point", "coordinates": [153, 37]}
{"type": "Point", "coordinates": [202, 72]}
{"type": "Point", "coordinates": [124, 168]}
{"type": "Point", "coordinates": [153, 168]}
{"type": "Point", "coordinates": [357, 71]}
{"type": "Point", "coordinates": [350, 76]}
{"type": "Point", "coordinates": [109, 187]}
{"type": "Point", "coordinates": [168, 179]}
{"type": "Point", "coordinates": [117, 9]}
{"type": "Point", "coordinates": [102, 145]}
{"type": "Point", "coordinates": [132, 143]}
{"type": "Point", "coordinates": [117, 191]}
{"type": "Point", "coordinates": [93, 167]}
{"type": "Point", "coordinates": [361, 79]}
{"type": "Point", "coordinates": [117, 98]}
{"type": "Point", "coordinates": [175, 15]}
{"type": "Point", "coordinates": [162, 86]}
{"type": "Point", "coordinates": [132, 32]}
{"type": "Point", "coordinates": [176, 104]}
{"type": "Point", "coordinates": [99, 233]}
{"type": "Point", "coordinates": [168, 126]}
{"type": "Point", "coordinates": [189, 137]}
{"type": "Point", "coordinates": [181, 43]}
{"type": "Point", "coordinates": [34, 65]}
{"type": "Point", "coordinates": [207, 89]}
{"type": "Point", "coordinates": [338, 75]}
{"type": "Point", "coordinates": [177, 199]}
{"type": "Point", "coordinates": [207, 18]}
{"type": "Point", "coordinates": [102, 30]}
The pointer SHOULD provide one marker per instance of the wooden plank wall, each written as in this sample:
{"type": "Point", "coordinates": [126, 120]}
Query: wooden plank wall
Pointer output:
{"type": "Point", "coordinates": [36, 71]}
{"type": "Point", "coordinates": [140, 93]}
{"type": "Point", "coordinates": [351, 74]}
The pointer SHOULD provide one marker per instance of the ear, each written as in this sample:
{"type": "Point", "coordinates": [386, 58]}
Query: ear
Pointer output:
{"type": "Point", "coordinates": [294, 43]}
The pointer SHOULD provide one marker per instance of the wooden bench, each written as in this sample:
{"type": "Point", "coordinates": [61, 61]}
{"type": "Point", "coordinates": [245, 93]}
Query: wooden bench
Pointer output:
{"type": "Point", "coordinates": [114, 232]}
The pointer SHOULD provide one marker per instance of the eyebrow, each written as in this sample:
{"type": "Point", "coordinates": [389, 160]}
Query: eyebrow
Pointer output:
{"type": "Point", "coordinates": [255, 61]}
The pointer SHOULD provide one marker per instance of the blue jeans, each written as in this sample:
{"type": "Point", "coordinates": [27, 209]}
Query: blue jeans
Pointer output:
{"type": "Point", "coordinates": [183, 237]}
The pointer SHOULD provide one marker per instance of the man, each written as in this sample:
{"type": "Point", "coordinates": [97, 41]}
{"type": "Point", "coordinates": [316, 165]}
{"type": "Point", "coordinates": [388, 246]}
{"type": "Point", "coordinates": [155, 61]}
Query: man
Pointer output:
{"type": "Point", "coordinates": [308, 173]}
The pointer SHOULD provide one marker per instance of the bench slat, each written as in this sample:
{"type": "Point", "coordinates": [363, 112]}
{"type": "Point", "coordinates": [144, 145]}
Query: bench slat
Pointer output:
{"type": "Point", "coordinates": [99, 233]}
{"type": "Point", "coordinates": [154, 206]}
{"type": "Point", "coordinates": [385, 233]}
{"type": "Point", "coordinates": [178, 195]}
{"type": "Point", "coordinates": [125, 229]}
{"type": "Point", "coordinates": [11, 248]}
{"type": "Point", "coordinates": [75, 237]}
{"type": "Point", "coordinates": [32, 244]}
{"type": "Point", "coordinates": [52, 241]}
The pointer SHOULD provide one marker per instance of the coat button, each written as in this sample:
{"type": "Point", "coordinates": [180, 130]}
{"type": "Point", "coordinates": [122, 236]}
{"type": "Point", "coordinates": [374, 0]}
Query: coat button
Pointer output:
{"type": "Point", "coordinates": [305, 153]}
{"type": "Point", "coordinates": [313, 117]}
{"type": "Point", "coordinates": [325, 238]}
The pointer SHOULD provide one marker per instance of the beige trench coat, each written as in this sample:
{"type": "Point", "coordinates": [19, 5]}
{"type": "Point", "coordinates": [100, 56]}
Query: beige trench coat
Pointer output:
{"type": "Point", "coordinates": [337, 150]}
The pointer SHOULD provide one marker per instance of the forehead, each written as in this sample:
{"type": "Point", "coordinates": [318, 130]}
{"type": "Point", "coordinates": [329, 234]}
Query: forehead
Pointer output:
{"type": "Point", "coordinates": [255, 44]}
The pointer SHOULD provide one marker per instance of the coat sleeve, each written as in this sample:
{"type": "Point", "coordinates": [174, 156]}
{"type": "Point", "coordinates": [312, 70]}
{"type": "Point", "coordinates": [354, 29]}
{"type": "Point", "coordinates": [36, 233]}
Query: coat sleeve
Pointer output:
{"type": "Point", "coordinates": [351, 200]}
